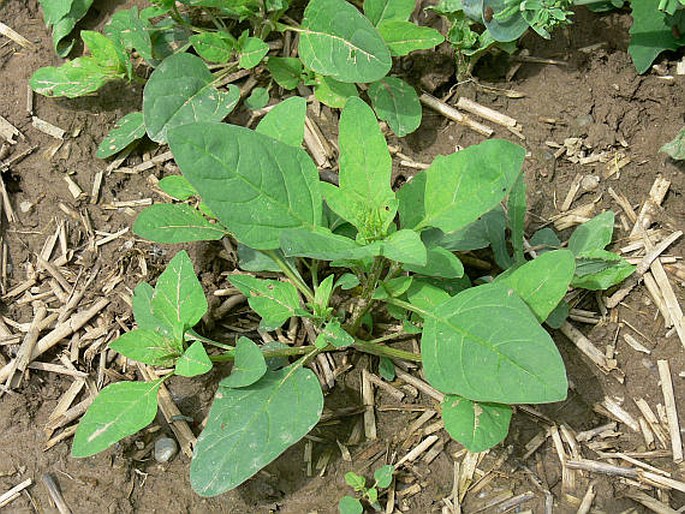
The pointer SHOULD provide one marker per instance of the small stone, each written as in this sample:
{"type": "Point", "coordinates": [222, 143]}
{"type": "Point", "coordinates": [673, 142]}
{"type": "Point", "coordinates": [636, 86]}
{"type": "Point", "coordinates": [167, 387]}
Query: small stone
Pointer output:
{"type": "Point", "coordinates": [589, 183]}
{"type": "Point", "coordinates": [25, 206]}
{"type": "Point", "coordinates": [584, 120]}
{"type": "Point", "coordinates": [165, 449]}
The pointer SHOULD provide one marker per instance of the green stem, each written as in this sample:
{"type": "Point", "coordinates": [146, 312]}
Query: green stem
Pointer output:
{"type": "Point", "coordinates": [290, 273]}
{"type": "Point", "coordinates": [366, 301]}
{"type": "Point", "coordinates": [385, 351]}
{"type": "Point", "coordinates": [291, 351]}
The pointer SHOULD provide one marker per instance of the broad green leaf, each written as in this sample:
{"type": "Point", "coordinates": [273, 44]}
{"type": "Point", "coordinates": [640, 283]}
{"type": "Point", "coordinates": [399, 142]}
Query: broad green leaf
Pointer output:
{"type": "Point", "coordinates": [336, 40]}
{"type": "Point", "coordinates": [506, 30]}
{"type": "Point", "coordinates": [675, 149]}
{"type": "Point", "coordinates": [355, 481]}
{"type": "Point", "coordinates": [285, 121]}
{"type": "Point", "coordinates": [478, 426]}
{"type": "Point", "coordinates": [252, 52]}
{"type": "Point", "coordinates": [545, 240]}
{"type": "Point", "coordinates": [79, 77]}
{"type": "Point", "coordinates": [598, 270]}
{"type": "Point", "coordinates": [383, 476]}
{"type": "Point", "coordinates": [274, 301]}
{"type": "Point", "coordinates": [486, 345]}
{"type": "Point", "coordinates": [256, 186]}
{"type": "Point", "coordinates": [386, 369]}
{"type": "Point", "coordinates": [250, 259]}
{"type": "Point", "coordinates": [335, 335]}
{"type": "Point", "coordinates": [543, 282]}
{"type": "Point", "coordinates": [127, 129]}
{"type": "Point", "coordinates": [248, 367]}
{"type": "Point", "coordinates": [323, 244]}
{"type": "Point", "coordinates": [494, 223]}
{"type": "Point", "coordinates": [333, 93]}
{"type": "Point", "coordinates": [175, 223]}
{"type": "Point", "coordinates": [350, 505]}
{"type": "Point", "coordinates": [149, 347]}
{"type": "Point", "coordinates": [456, 190]}
{"type": "Point", "coordinates": [396, 103]}
{"type": "Point", "coordinates": [592, 235]}
{"type": "Point", "coordinates": [258, 99]}
{"type": "Point", "coordinates": [392, 288]}
{"type": "Point", "coordinates": [286, 71]}
{"type": "Point", "coordinates": [403, 37]}
{"type": "Point", "coordinates": [405, 246]}
{"type": "Point", "coordinates": [133, 31]}
{"type": "Point", "coordinates": [179, 300]}
{"type": "Point", "coordinates": [651, 33]}
{"type": "Point", "coordinates": [347, 281]}
{"type": "Point", "coordinates": [179, 92]}
{"type": "Point", "coordinates": [142, 311]}
{"type": "Point", "coordinates": [103, 51]}
{"type": "Point", "coordinates": [120, 410]}
{"type": "Point", "coordinates": [425, 295]}
{"type": "Point", "coordinates": [249, 427]}
{"type": "Point", "coordinates": [516, 217]}
{"type": "Point", "coordinates": [194, 361]}
{"type": "Point", "coordinates": [178, 187]}
{"type": "Point", "coordinates": [364, 197]}
{"type": "Point", "coordinates": [214, 46]}
{"type": "Point", "coordinates": [62, 16]}
{"type": "Point", "coordinates": [440, 263]}
{"type": "Point", "coordinates": [558, 316]}
{"type": "Point", "coordinates": [379, 10]}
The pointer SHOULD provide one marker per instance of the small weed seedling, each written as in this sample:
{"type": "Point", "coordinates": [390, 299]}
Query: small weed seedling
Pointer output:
{"type": "Point", "coordinates": [347, 254]}
{"type": "Point", "coordinates": [338, 46]}
{"type": "Point", "coordinates": [353, 505]}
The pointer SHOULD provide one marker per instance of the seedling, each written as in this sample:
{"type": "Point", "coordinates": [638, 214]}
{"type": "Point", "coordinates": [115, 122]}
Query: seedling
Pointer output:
{"type": "Point", "coordinates": [347, 254]}
{"type": "Point", "coordinates": [353, 504]}
{"type": "Point", "coordinates": [332, 55]}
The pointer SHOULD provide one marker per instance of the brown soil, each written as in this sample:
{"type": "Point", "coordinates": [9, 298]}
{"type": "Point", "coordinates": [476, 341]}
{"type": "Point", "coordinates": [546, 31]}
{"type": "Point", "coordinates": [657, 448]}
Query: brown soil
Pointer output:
{"type": "Point", "coordinates": [596, 96]}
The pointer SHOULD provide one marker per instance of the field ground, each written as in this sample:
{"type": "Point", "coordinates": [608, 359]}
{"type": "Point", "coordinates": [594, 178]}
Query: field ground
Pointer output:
{"type": "Point", "coordinates": [590, 93]}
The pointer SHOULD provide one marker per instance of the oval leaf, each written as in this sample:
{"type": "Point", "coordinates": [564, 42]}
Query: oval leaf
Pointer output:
{"type": "Point", "coordinates": [336, 40]}
{"type": "Point", "coordinates": [507, 30]}
{"type": "Point", "coordinates": [194, 361]}
{"type": "Point", "coordinates": [379, 10]}
{"type": "Point", "coordinates": [119, 410]}
{"type": "Point", "coordinates": [593, 235]}
{"type": "Point", "coordinates": [248, 367]}
{"type": "Point", "coordinates": [485, 345]}
{"type": "Point", "coordinates": [396, 103]}
{"type": "Point", "coordinates": [180, 91]}
{"type": "Point", "coordinates": [543, 282]}
{"type": "Point", "coordinates": [128, 129]}
{"type": "Point", "coordinates": [175, 223]}
{"type": "Point", "coordinates": [285, 122]}
{"type": "Point", "coordinates": [177, 186]}
{"type": "Point", "coordinates": [179, 300]}
{"type": "Point", "coordinates": [249, 427]}
{"type": "Point", "coordinates": [148, 347]}
{"type": "Point", "coordinates": [255, 185]}
{"type": "Point", "coordinates": [457, 189]}
{"type": "Point", "coordinates": [403, 37]}
{"type": "Point", "coordinates": [478, 426]}
{"type": "Point", "coordinates": [274, 301]}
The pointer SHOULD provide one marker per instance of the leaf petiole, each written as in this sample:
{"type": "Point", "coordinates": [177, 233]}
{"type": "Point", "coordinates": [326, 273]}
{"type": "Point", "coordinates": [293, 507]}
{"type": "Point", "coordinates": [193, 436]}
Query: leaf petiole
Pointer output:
{"type": "Point", "coordinates": [292, 275]}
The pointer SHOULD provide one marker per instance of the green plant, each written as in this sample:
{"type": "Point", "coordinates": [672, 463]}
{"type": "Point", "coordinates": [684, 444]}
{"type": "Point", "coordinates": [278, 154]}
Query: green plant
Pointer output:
{"type": "Point", "coordinates": [338, 47]}
{"type": "Point", "coordinates": [480, 26]}
{"type": "Point", "coordinates": [346, 260]}
{"type": "Point", "coordinates": [382, 478]}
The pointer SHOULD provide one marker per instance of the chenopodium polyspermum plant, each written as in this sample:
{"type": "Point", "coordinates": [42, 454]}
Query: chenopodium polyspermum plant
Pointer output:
{"type": "Point", "coordinates": [346, 254]}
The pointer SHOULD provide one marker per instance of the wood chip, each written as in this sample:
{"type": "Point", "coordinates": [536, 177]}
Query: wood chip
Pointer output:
{"type": "Point", "coordinates": [55, 494]}
{"type": "Point", "coordinates": [16, 37]}
{"type": "Point", "coordinates": [453, 114]}
{"type": "Point", "coordinates": [47, 128]}
{"type": "Point", "coordinates": [420, 385]}
{"type": "Point", "coordinates": [589, 349]}
{"type": "Point", "coordinates": [572, 192]}
{"type": "Point", "coordinates": [8, 131]}
{"type": "Point", "coordinates": [671, 412]}
{"type": "Point", "coordinates": [416, 452]}
{"type": "Point", "coordinates": [369, 403]}
{"type": "Point", "coordinates": [651, 503]}
{"type": "Point", "coordinates": [12, 494]}
{"type": "Point", "coordinates": [486, 112]}
{"type": "Point", "coordinates": [60, 332]}
{"type": "Point", "coordinates": [620, 414]}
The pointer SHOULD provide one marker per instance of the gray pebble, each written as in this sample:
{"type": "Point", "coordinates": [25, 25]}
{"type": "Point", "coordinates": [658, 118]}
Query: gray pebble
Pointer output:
{"type": "Point", "coordinates": [165, 449]}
